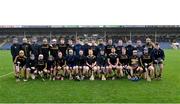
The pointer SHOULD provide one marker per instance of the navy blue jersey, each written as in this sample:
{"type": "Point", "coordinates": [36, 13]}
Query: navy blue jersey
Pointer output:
{"type": "Point", "coordinates": [85, 48]}
{"type": "Point", "coordinates": [81, 60]}
{"type": "Point", "coordinates": [77, 48]}
{"type": "Point", "coordinates": [26, 48]}
{"type": "Point", "coordinates": [100, 47]}
{"type": "Point", "coordinates": [50, 64]}
{"type": "Point", "coordinates": [129, 50]}
{"type": "Point", "coordinates": [31, 63]}
{"type": "Point", "coordinates": [63, 48]}
{"type": "Point", "coordinates": [157, 54]}
{"type": "Point", "coordinates": [140, 50]}
{"type": "Point", "coordinates": [35, 50]}
{"type": "Point", "coordinates": [69, 47]}
{"type": "Point", "coordinates": [15, 48]}
{"type": "Point", "coordinates": [71, 60]}
{"type": "Point", "coordinates": [54, 50]}
{"type": "Point", "coordinates": [44, 49]}
{"type": "Point", "coordinates": [101, 60]}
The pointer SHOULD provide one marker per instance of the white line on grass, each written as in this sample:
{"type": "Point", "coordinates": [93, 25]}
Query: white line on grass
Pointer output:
{"type": "Point", "coordinates": [5, 74]}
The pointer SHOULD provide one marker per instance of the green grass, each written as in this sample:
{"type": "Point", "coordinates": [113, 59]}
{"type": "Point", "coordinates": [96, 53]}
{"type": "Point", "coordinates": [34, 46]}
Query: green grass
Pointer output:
{"type": "Point", "coordinates": [117, 91]}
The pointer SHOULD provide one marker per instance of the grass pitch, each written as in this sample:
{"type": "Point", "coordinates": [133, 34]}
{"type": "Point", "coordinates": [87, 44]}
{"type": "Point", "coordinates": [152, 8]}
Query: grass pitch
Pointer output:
{"type": "Point", "coordinates": [117, 91]}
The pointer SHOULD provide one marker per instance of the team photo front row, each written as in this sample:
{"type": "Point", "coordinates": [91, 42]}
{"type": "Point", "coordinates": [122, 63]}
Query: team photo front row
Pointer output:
{"type": "Point", "coordinates": [87, 61]}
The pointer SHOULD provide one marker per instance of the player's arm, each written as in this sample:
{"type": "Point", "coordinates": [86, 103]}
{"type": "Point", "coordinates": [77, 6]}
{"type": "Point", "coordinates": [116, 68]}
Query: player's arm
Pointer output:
{"type": "Point", "coordinates": [117, 61]}
{"type": "Point", "coordinates": [64, 64]}
{"type": "Point", "coordinates": [27, 63]}
{"type": "Point", "coordinates": [25, 60]}
{"type": "Point", "coordinates": [12, 51]}
{"type": "Point", "coordinates": [153, 44]}
{"type": "Point", "coordinates": [109, 62]}
{"type": "Point", "coordinates": [39, 49]}
{"type": "Point", "coordinates": [45, 66]}
{"type": "Point", "coordinates": [94, 64]}
{"type": "Point", "coordinates": [141, 63]}
{"type": "Point", "coordinates": [163, 55]}
{"type": "Point", "coordinates": [15, 60]}
{"type": "Point", "coordinates": [120, 62]}
{"type": "Point", "coordinates": [129, 61]}
{"type": "Point", "coordinates": [152, 55]}
{"type": "Point", "coordinates": [88, 64]}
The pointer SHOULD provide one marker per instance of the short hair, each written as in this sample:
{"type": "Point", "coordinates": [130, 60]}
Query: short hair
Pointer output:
{"type": "Point", "coordinates": [156, 43]}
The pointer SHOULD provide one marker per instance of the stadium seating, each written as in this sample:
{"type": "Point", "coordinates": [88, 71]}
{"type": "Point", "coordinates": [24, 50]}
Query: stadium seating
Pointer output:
{"type": "Point", "coordinates": [6, 46]}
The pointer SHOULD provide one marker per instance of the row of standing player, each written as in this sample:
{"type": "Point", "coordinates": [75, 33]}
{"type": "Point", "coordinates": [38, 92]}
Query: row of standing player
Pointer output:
{"type": "Point", "coordinates": [109, 62]}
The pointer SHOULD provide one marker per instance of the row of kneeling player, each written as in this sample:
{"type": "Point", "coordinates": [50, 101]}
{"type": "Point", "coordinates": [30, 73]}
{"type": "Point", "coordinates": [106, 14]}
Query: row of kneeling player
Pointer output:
{"type": "Point", "coordinates": [91, 67]}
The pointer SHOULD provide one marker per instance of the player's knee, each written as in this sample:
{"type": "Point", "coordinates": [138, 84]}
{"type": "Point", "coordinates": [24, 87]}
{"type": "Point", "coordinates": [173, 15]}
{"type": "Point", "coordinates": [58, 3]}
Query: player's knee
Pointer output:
{"type": "Point", "coordinates": [95, 68]}
{"type": "Point", "coordinates": [151, 68]}
{"type": "Point", "coordinates": [120, 67]}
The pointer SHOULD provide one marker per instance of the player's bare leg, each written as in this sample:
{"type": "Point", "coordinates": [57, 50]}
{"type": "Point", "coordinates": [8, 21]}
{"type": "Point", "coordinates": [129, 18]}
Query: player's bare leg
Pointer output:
{"type": "Point", "coordinates": [27, 73]}
{"type": "Point", "coordinates": [93, 70]}
{"type": "Point", "coordinates": [151, 71]}
{"type": "Point", "coordinates": [130, 72]}
{"type": "Point", "coordinates": [55, 72]}
{"type": "Point", "coordinates": [98, 71]}
{"type": "Point", "coordinates": [17, 73]}
{"type": "Point", "coordinates": [103, 72]}
{"type": "Point", "coordinates": [161, 69]}
{"type": "Point", "coordinates": [121, 71]}
{"type": "Point", "coordinates": [85, 71]}
{"type": "Point", "coordinates": [140, 72]}
{"type": "Point", "coordinates": [110, 71]}
{"type": "Point", "coordinates": [76, 73]}
{"type": "Point", "coordinates": [62, 71]}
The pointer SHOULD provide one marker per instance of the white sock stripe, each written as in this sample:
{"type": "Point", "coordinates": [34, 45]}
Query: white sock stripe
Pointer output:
{"type": "Point", "coordinates": [5, 74]}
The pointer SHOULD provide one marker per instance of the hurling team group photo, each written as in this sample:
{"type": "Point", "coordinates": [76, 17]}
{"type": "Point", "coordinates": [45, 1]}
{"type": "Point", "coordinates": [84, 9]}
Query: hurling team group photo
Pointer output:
{"type": "Point", "coordinates": [89, 51]}
{"type": "Point", "coordinates": [86, 59]}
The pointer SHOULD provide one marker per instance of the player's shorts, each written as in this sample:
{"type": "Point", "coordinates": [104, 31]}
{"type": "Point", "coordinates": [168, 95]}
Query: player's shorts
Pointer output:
{"type": "Point", "coordinates": [157, 63]}
{"type": "Point", "coordinates": [134, 67]}
{"type": "Point", "coordinates": [32, 69]}
{"type": "Point", "coordinates": [81, 66]}
{"type": "Point", "coordinates": [71, 65]}
{"type": "Point", "coordinates": [102, 65]}
{"type": "Point", "coordinates": [60, 65]}
{"type": "Point", "coordinates": [40, 68]}
{"type": "Point", "coordinates": [50, 68]}
{"type": "Point", "coordinates": [90, 67]}
{"type": "Point", "coordinates": [146, 67]}
{"type": "Point", "coordinates": [57, 67]}
{"type": "Point", "coordinates": [20, 66]}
